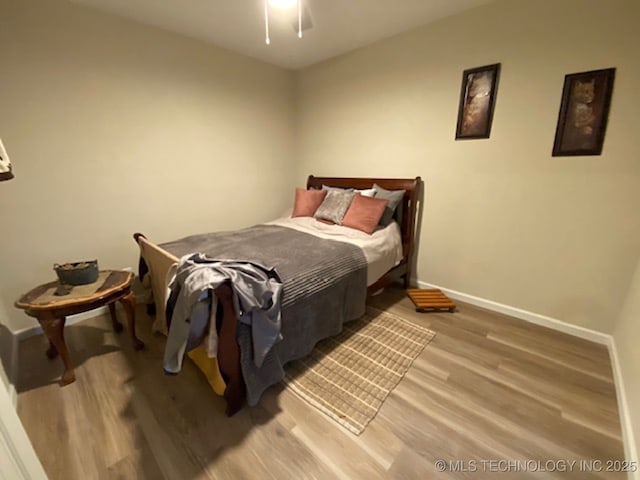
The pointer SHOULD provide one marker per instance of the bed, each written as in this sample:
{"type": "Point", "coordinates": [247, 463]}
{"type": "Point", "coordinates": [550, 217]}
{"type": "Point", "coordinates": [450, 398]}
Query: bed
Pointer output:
{"type": "Point", "coordinates": [385, 262]}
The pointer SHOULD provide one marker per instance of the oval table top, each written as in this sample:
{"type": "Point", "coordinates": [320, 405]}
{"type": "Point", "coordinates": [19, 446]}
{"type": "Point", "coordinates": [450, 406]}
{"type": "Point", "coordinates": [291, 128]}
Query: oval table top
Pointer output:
{"type": "Point", "coordinates": [43, 297]}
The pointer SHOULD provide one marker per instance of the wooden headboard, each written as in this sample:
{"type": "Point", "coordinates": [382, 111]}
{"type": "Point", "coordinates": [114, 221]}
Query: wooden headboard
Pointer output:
{"type": "Point", "coordinates": [411, 187]}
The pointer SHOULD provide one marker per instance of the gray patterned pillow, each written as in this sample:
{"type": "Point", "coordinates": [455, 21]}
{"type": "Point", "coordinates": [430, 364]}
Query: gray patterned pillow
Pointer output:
{"type": "Point", "coordinates": [334, 206]}
{"type": "Point", "coordinates": [394, 197]}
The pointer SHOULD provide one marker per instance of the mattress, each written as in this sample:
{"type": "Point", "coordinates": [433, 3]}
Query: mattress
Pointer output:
{"type": "Point", "coordinates": [382, 249]}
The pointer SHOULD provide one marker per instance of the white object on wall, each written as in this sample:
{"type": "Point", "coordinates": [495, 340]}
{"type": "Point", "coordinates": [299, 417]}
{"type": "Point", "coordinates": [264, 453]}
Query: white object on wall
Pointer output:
{"type": "Point", "coordinates": [5, 164]}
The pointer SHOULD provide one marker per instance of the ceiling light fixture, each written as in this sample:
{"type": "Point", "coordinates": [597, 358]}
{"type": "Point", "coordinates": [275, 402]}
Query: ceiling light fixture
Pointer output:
{"type": "Point", "coordinates": [281, 5]}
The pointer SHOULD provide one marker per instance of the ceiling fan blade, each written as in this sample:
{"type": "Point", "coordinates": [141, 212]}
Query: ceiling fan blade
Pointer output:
{"type": "Point", "coordinates": [307, 22]}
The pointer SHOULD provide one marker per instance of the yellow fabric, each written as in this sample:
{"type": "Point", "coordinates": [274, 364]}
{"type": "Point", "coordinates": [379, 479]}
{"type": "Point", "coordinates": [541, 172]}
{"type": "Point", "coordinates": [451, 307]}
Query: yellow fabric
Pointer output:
{"type": "Point", "coordinates": [208, 366]}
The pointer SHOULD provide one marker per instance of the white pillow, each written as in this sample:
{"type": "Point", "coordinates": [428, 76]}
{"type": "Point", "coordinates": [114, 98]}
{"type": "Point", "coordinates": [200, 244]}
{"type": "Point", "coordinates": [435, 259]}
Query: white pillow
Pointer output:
{"type": "Point", "coordinates": [367, 192]}
{"type": "Point", "coordinates": [327, 188]}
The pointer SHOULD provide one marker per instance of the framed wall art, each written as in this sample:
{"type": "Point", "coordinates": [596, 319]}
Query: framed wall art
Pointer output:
{"type": "Point", "coordinates": [584, 111]}
{"type": "Point", "coordinates": [477, 101]}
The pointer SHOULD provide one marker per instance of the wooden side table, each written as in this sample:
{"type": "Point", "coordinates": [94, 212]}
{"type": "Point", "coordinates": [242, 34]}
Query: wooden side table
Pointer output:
{"type": "Point", "coordinates": [51, 310]}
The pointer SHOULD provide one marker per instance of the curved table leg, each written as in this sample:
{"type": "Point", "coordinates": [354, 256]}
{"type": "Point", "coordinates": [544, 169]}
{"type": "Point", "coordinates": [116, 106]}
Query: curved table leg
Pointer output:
{"type": "Point", "coordinates": [54, 330]}
{"type": "Point", "coordinates": [51, 352]}
{"type": "Point", "coordinates": [129, 304]}
{"type": "Point", "coordinates": [117, 326]}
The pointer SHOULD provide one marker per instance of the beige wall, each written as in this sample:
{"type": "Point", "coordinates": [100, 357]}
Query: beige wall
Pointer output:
{"type": "Point", "coordinates": [503, 219]}
{"type": "Point", "coordinates": [626, 336]}
{"type": "Point", "coordinates": [113, 128]}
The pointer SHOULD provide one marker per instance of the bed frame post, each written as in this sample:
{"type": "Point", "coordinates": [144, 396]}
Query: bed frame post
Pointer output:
{"type": "Point", "coordinates": [408, 228]}
{"type": "Point", "coordinates": [229, 352]}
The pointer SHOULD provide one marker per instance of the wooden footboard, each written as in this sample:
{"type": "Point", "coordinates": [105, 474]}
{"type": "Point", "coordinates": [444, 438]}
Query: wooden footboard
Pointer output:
{"type": "Point", "coordinates": [160, 263]}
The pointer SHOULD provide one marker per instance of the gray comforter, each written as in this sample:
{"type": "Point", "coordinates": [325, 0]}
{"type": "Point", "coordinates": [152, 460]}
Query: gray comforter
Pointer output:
{"type": "Point", "coordinates": [324, 286]}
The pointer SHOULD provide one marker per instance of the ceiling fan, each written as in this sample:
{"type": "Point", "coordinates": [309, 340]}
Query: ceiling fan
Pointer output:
{"type": "Point", "coordinates": [301, 23]}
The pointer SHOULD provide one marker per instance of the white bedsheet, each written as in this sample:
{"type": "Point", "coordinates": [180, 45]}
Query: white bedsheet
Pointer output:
{"type": "Point", "coordinates": [382, 249]}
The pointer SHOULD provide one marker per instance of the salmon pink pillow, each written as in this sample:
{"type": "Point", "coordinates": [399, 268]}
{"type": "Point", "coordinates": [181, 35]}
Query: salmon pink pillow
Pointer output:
{"type": "Point", "coordinates": [307, 202]}
{"type": "Point", "coordinates": [365, 213]}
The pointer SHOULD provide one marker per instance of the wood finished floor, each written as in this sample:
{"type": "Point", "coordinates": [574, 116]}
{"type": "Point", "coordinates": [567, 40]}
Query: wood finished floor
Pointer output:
{"type": "Point", "coordinates": [487, 388]}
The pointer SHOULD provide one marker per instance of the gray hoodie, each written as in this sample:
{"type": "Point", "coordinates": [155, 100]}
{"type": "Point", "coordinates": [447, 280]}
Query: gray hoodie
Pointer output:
{"type": "Point", "coordinates": [256, 296]}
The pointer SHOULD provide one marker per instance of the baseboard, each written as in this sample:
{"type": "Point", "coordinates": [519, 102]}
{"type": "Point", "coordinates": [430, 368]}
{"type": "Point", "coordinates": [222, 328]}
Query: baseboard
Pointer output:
{"type": "Point", "coordinates": [630, 448]}
{"type": "Point", "coordinates": [536, 318]}
{"type": "Point", "coordinates": [13, 373]}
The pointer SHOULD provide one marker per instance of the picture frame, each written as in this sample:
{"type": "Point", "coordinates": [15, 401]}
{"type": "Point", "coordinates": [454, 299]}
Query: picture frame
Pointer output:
{"type": "Point", "coordinates": [477, 102]}
{"type": "Point", "coordinates": [584, 113]}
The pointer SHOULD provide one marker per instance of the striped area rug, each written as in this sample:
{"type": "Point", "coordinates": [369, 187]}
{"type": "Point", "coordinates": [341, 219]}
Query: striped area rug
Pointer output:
{"type": "Point", "coordinates": [349, 376]}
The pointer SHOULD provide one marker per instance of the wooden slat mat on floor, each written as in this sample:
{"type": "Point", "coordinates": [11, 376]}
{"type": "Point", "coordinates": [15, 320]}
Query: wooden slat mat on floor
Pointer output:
{"type": "Point", "coordinates": [430, 300]}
